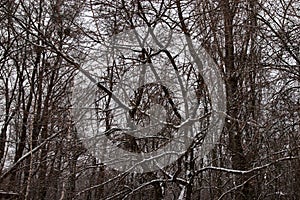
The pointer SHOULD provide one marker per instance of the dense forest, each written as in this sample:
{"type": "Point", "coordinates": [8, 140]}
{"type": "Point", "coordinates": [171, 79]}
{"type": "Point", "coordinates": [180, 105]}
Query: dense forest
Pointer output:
{"type": "Point", "coordinates": [113, 57]}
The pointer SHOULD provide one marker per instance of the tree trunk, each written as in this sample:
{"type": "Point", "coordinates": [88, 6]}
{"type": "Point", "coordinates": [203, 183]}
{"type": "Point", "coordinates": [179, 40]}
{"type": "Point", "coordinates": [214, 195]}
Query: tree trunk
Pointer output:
{"type": "Point", "coordinates": [233, 104]}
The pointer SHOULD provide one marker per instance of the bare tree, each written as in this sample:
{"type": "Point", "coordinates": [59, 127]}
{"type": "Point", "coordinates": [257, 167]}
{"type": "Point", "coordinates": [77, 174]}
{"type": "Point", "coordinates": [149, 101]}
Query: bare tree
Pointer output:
{"type": "Point", "coordinates": [44, 45]}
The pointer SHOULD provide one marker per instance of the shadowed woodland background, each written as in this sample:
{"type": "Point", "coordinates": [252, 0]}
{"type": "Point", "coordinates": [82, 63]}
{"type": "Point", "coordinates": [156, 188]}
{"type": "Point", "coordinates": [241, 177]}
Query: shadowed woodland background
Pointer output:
{"type": "Point", "coordinates": [254, 43]}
